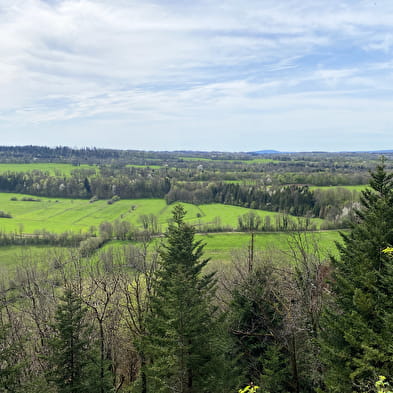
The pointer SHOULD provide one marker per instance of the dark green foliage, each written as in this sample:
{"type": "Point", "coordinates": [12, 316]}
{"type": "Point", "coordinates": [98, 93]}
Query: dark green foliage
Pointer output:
{"type": "Point", "coordinates": [357, 327]}
{"type": "Point", "coordinates": [293, 199]}
{"type": "Point", "coordinates": [183, 344]}
{"type": "Point", "coordinates": [256, 325]}
{"type": "Point", "coordinates": [74, 358]}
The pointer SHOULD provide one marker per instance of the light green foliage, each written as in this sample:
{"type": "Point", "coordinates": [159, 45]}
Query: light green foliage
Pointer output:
{"type": "Point", "coordinates": [249, 389]}
{"type": "Point", "coordinates": [358, 188]}
{"type": "Point", "coordinates": [382, 385]}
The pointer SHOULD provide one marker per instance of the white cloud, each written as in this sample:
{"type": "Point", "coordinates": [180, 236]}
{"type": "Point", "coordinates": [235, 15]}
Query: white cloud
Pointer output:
{"type": "Point", "coordinates": [167, 62]}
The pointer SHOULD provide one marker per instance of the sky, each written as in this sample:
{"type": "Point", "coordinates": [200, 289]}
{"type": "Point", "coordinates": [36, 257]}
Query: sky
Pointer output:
{"type": "Point", "coordinates": [226, 75]}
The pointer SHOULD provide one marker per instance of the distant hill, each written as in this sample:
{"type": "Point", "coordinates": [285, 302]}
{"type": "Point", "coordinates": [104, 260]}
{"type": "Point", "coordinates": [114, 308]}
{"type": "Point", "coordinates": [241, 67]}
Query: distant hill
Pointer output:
{"type": "Point", "coordinates": [265, 152]}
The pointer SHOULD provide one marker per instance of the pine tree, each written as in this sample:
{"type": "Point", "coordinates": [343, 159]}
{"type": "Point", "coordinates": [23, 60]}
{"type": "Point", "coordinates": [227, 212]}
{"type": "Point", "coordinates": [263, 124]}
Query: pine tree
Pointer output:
{"type": "Point", "coordinates": [182, 342]}
{"type": "Point", "coordinates": [74, 359]}
{"type": "Point", "coordinates": [357, 337]}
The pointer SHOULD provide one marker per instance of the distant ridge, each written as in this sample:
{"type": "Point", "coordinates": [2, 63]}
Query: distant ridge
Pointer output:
{"type": "Point", "coordinates": [265, 152]}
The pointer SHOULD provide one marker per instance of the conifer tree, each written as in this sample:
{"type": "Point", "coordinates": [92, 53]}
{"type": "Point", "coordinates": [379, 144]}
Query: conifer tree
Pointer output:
{"type": "Point", "coordinates": [74, 360]}
{"type": "Point", "coordinates": [182, 341]}
{"type": "Point", "coordinates": [357, 339]}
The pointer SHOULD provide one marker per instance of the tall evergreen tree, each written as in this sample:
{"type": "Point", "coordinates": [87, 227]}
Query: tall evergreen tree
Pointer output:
{"type": "Point", "coordinates": [182, 342]}
{"type": "Point", "coordinates": [357, 337]}
{"type": "Point", "coordinates": [74, 360]}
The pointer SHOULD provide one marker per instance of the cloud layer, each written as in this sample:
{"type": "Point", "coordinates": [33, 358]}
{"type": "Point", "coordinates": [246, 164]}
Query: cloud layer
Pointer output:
{"type": "Point", "coordinates": [208, 75]}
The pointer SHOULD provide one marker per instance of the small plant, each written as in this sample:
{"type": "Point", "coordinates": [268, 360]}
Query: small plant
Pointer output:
{"type": "Point", "coordinates": [382, 386]}
{"type": "Point", "coordinates": [251, 389]}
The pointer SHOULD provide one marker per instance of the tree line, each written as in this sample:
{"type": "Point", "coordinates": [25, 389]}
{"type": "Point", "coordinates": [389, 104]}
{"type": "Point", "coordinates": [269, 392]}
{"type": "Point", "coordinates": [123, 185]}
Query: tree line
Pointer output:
{"type": "Point", "coordinates": [297, 200]}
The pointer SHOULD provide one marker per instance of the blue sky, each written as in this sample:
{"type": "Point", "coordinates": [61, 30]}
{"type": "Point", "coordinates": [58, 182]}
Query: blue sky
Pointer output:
{"type": "Point", "coordinates": [197, 75]}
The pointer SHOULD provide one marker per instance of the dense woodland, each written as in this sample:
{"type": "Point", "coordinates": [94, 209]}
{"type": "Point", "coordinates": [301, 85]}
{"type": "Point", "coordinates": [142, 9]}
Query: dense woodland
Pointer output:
{"type": "Point", "coordinates": [153, 317]}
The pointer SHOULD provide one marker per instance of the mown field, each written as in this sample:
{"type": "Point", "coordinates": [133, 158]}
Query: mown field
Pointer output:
{"type": "Point", "coordinates": [60, 215]}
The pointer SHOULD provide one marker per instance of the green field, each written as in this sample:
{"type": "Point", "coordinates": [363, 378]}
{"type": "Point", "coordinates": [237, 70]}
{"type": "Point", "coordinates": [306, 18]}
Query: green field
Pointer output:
{"type": "Point", "coordinates": [225, 247]}
{"type": "Point", "coordinates": [221, 246]}
{"type": "Point", "coordinates": [359, 188]}
{"type": "Point", "coordinates": [52, 169]}
{"type": "Point", "coordinates": [13, 256]}
{"type": "Point", "coordinates": [60, 215]}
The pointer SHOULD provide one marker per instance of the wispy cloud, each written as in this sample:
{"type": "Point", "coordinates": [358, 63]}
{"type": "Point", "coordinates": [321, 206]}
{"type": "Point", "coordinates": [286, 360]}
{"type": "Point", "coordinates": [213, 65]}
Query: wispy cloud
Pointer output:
{"type": "Point", "coordinates": [168, 65]}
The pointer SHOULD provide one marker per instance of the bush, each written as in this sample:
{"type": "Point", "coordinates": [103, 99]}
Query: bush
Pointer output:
{"type": "Point", "coordinates": [30, 199]}
{"type": "Point", "coordinates": [93, 199]}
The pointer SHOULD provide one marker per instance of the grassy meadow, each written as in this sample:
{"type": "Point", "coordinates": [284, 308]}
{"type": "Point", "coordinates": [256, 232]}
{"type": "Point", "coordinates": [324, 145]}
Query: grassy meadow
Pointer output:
{"type": "Point", "coordinates": [60, 215]}
{"type": "Point", "coordinates": [77, 215]}
{"type": "Point", "coordinates": [221, 246]}
{"type": "Point", "coordinates": [52, 169]}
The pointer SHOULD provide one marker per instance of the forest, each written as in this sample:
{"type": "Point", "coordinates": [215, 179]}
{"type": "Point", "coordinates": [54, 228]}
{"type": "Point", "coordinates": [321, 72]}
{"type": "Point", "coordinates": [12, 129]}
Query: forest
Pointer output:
{"type": "Point", "coordinates": [138, 306]}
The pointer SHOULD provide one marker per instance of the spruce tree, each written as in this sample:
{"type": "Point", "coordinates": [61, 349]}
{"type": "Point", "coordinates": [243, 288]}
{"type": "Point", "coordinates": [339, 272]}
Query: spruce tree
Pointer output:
{"type": "Point", "coordinates": [74, 359]}
{"type": "Point", "coordinates": [182, 341]}
{"type": "Point", "coordinates": [357, 339]}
